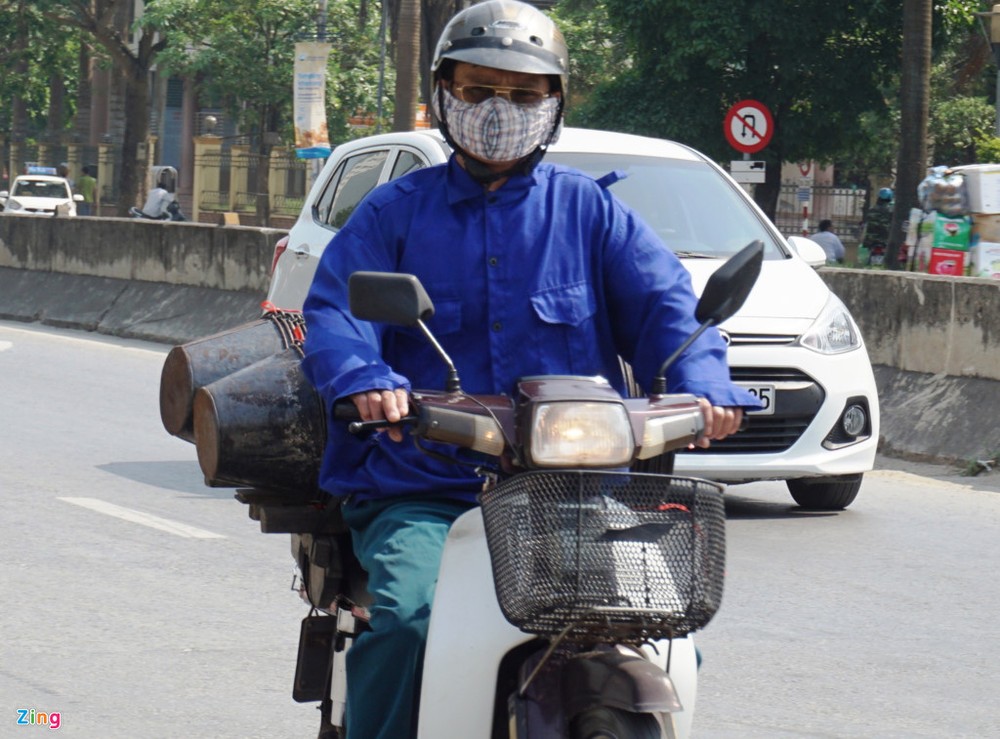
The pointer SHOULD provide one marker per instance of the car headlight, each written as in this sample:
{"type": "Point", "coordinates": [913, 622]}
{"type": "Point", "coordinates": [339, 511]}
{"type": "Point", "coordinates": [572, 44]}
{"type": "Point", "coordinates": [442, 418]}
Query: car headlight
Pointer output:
{"type": "Point", "coordinates": [13, 204]}
{"type": "Point", "coordinates": [834, 331]}
{"type": "Point", "coordinates": [581, 434]}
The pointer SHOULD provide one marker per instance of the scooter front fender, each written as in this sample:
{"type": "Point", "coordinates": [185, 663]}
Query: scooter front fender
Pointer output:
{"type": "Point", "coordinates": [618, 680]}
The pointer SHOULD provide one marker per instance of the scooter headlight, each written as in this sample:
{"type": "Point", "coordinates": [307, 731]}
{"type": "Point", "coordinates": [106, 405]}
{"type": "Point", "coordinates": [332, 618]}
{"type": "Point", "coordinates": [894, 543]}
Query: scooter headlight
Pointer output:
{"type": "Point", "coordinates": [575, 434]}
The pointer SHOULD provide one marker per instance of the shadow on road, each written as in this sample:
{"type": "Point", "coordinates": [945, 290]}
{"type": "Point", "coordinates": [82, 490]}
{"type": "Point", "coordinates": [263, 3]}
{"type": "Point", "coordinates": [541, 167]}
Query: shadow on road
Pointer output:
{"type": "Point", "coordinates": [180, 476]}
{"type": "Point", "coordinates": [746, 508]}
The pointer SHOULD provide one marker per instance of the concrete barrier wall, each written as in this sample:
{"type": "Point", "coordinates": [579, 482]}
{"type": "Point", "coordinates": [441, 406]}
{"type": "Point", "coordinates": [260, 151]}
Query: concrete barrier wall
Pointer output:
{"type": "Point", "coordinates": [924, 323]}
{"type": "Point", "coordinates": [934, 341]}
{"type": "Point", "coordinates": [192, 254]}
{"type": "Point", "coordinates": [914, 322]}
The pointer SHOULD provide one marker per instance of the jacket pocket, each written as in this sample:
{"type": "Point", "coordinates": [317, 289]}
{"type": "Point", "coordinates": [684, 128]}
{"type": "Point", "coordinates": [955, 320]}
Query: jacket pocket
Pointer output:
{"type": "Point", "coordinates": [447, 318]}
{"type": "Point", "coordinates": [571, 305]}
{"type": "Point", "coordinates": [566, 334]}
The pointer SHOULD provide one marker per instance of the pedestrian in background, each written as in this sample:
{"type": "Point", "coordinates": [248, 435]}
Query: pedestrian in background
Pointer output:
{"type": "Point", "coordinates": [88, 189]}
{"type": "Point", "coordinates": [829, 241]}
{"type": "Point", "coordinates": [63, 171]}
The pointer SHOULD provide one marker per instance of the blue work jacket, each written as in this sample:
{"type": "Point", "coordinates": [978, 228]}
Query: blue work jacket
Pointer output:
{"type": "Point", "coordinates": [549, 274]}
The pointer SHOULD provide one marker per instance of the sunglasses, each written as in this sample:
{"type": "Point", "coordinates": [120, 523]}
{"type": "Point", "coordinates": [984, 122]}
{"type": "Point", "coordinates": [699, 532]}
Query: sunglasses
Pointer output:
{"type": "Point", "coordinates": [475, 94]}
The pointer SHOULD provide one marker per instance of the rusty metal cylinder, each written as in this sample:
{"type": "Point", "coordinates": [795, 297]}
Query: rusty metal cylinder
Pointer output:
{"type": "Point", "coordinates": [262, 427]}
{"type": "Point", "coordinates": [202, 361]}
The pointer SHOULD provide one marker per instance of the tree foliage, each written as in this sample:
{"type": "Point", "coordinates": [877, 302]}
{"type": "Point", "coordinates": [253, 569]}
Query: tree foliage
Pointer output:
{"type": "Point", "coordinates": [36, 50]}
{"type": "Point", "coordinates": [242, 51]}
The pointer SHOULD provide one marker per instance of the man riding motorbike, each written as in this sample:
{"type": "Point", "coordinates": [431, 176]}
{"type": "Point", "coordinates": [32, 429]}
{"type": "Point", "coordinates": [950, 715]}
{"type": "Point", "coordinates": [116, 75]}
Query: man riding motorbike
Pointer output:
{"type": "Point", "coordinates": [533, 269]}
{"type": "Point", "coordinates": [877, 225]}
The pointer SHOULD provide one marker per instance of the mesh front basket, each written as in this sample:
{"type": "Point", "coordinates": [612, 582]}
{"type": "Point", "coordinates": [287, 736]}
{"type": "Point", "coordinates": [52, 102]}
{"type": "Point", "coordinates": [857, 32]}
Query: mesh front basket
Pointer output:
{"type": "Point", "coordinates": [614, 556]}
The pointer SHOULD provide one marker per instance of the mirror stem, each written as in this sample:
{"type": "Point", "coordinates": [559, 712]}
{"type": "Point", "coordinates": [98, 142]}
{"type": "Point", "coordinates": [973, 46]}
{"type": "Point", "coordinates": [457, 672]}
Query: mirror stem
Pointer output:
{"type": "Point", "coordinates": [660, 381]}
{"type": "Point", "coordinates": [453, 384]}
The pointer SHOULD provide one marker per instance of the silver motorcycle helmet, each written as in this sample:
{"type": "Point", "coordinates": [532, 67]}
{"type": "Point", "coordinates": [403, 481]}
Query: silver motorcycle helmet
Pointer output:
{"type": "Point", "coordinates": [508, 35]}
{"type": "Point", "coordinates": [505, 34]}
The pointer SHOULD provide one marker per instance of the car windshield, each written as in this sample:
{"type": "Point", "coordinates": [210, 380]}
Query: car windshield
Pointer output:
{"type": "Point", "coordinates": [690, 206]}
{"type": "Point", "coordinates": [36, 189]}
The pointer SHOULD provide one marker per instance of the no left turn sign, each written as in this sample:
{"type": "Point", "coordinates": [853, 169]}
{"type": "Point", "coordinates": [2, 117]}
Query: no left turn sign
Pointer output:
{"type": "Point", "coordinates": [748, 126]}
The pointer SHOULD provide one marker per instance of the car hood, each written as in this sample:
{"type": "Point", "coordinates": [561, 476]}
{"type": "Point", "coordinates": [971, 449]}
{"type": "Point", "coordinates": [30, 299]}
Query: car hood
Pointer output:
{"type": "Point", "coordinates": [34, 203]}
{"type": "Point", "coordinates": [786, 299]}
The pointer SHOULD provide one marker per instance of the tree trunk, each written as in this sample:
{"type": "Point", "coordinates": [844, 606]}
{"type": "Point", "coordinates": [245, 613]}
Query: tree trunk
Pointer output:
{"type": "Point", "coordinates": [262, 188]}
{"type": "Point", "coordinates": [134, 164]}
{"type": "Point", "coordinates": [914, 106]}
{"type": "Point", "coordinates": [84, 90]}
{"type": "Point", "coordinates": [57, 110]}
{"type": "Point", "coordinates": [435, 15]}
{"type": "Point", "coordinates": [407, 65]}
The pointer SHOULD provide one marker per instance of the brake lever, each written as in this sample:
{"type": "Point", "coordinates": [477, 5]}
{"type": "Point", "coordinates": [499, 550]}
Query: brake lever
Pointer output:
{"type": "Point", "coordinates": [361, 427]}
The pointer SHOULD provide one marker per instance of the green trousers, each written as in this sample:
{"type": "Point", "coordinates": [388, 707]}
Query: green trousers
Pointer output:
{"type": "Point", "coordinates": [399, 543]}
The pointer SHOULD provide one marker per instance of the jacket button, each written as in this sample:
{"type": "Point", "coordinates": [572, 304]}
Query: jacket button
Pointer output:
{"type": "Point", "coordinates": [497, 326]}
{"type": "Point", "coordinates": [494, 261]}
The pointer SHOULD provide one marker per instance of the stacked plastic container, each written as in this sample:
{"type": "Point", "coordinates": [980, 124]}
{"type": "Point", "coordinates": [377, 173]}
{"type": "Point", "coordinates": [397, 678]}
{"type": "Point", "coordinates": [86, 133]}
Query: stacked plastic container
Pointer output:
{"type": "Point", "coordinates": [940, 231]}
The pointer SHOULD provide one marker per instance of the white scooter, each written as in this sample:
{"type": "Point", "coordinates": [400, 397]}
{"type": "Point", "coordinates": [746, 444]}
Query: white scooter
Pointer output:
{"type": "Point", "coordinates": [565, 601]}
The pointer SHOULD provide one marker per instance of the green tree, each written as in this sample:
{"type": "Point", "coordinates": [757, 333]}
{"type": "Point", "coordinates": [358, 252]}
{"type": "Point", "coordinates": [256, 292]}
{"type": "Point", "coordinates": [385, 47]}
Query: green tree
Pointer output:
{"type": "Point", "coordinates": [133, 51]}
{"type": "Point", "coordinates": [353, 70]}
{"type": "Point", "coordinates": [597, 51]}
{"type": "Point", "coordinates": [243, 53]}
{"type": "Point", "coordinates": [42, 57]}
{"type": "Point", "coordinates": [816, 67]}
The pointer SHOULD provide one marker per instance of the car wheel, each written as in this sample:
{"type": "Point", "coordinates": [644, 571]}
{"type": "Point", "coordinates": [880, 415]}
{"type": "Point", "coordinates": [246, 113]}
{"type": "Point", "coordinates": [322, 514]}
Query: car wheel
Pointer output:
{"type": "Point", "coordinates": [827, 494]}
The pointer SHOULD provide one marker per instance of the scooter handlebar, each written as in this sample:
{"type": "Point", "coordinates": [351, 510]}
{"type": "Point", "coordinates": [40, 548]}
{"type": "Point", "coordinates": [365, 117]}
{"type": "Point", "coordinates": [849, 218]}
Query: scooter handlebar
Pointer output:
{"type": "Point", "coordinates": [345, 410]}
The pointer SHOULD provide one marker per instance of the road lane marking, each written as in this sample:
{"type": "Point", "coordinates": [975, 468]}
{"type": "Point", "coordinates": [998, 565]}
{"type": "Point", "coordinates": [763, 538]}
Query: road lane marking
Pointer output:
{"type": "Point", "coordinates": [145, 519]}
{"type": "Point", "coordinates": [66, 336]}
{"type": "Point", "coordinates": [5, 345]}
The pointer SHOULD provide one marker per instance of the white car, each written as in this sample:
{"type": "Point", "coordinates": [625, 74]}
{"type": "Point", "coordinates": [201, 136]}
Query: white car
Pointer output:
{"type": "Point", "coordinates": [38, 194]}
{"type": "Point", "coordinates": [794, 343]}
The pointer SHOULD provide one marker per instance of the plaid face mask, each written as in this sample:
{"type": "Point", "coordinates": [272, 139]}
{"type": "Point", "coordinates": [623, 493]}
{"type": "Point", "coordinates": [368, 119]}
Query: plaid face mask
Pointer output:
{"type": "Point", "coordinates": [497, 130]}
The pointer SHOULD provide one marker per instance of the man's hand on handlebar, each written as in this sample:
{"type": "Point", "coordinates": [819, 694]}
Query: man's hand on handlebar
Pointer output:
{"type": "Point", "coordinates": [388, 405]}
{"type": "Point", "coordinates": [720, 422]}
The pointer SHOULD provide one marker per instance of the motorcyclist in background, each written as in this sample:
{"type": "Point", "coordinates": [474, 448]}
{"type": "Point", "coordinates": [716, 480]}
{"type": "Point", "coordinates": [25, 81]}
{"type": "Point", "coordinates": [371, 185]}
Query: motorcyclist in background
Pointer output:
{"type": "Point", "coordinates": [877, 224]}
{"type": "Point", "coordinates": [534, 269]}
{"type": "Point", "coordinates": [160, 203]}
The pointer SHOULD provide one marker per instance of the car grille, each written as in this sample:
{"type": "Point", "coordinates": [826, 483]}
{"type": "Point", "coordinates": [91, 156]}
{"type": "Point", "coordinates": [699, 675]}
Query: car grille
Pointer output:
{"type": "Point", "coordinates": [797, 400]}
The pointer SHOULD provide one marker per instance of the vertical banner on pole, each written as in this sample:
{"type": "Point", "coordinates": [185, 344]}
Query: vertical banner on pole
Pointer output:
{"type": "Point", "coordinates": [312, 140]}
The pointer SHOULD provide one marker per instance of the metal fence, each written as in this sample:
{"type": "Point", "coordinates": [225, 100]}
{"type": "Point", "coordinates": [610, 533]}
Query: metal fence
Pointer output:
{"type": "Point", "coordinates": [845, 207]}
{"type": "Point", "coordinates": [230, 181]}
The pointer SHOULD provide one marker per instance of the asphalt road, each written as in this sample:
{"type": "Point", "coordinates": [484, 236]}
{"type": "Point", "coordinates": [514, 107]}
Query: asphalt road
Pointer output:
{"type": "Point", "coordinates": [139, 603]}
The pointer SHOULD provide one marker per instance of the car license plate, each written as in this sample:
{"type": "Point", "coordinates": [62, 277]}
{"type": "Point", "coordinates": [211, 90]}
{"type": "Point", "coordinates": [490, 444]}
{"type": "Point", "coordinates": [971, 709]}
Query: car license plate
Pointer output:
{"type": "Point", "coordinates": [763, 393]}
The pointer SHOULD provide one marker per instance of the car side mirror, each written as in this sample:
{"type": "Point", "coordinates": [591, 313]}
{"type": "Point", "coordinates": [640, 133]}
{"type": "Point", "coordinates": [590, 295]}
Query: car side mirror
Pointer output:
{"type": "Point", "coordinates": [808, 250]}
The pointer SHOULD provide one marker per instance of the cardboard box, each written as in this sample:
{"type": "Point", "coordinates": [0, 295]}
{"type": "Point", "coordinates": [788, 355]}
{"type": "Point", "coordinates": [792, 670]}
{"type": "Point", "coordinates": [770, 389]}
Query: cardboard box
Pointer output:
{"type": "Point", "coordinates": [985, 260]}
{"type": "Point", "coordinates": [982, 181]}
{"type": "Point", "coordinates": [948, 262]}
{"type": "Point", "coordinates": [952, 233]}
{"type": "Point", "coordinates": [985, 227]}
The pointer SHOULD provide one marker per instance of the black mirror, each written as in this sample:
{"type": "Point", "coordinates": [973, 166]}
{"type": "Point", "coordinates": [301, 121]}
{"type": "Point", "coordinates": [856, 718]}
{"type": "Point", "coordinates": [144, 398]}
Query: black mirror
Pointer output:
{"type": "Point", "coordinates": [730, 284]}
{"type": "Point", "coordinates": [389, 297]}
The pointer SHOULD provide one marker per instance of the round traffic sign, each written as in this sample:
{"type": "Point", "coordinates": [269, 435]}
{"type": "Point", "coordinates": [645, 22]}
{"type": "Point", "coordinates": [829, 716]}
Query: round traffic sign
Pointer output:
{"type": "Point", "coordinates": [748, 126]}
